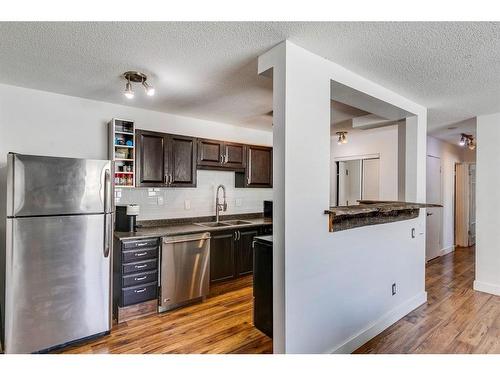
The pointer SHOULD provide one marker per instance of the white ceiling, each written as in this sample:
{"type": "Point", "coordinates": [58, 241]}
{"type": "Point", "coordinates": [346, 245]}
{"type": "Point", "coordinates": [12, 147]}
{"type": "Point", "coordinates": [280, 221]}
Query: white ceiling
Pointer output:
{"type": "Point", "coordinates": [452, 132]}
{"type": "Point", "coordinates": [208, 70]}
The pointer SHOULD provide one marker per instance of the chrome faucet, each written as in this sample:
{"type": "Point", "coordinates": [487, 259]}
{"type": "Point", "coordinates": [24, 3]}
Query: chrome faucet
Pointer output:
{"type": "Point", "coordinates": [220, 206]}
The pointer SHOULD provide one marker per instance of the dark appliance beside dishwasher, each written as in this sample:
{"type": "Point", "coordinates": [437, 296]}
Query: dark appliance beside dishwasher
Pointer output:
{"type": "Point", "coordinates": [268, 209]}
{"type": "Point", "coordinates": [263, 284]}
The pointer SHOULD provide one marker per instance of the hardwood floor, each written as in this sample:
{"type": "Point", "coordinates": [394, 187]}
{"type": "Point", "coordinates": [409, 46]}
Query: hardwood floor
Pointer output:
{"type": "Point", "coordinates": [221, 324]}
{"type": "Point", "coordinates": [455, 319]}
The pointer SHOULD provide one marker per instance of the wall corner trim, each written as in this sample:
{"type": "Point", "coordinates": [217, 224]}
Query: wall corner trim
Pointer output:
{"type": "Point", "coordinates": [380, 325]}
{"type": "Point", "coordinates": [481, 286]}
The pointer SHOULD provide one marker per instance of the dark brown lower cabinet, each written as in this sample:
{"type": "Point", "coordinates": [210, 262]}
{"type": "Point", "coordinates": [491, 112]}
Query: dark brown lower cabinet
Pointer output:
{"type": "Point", "coordinates": [244, 251]}
{"type": "Point", "coordinates": [135, 277]}
{"type": "Point", "coordinates": [222, 245]}
{"type": "Point", "coordinates": [231, 254]}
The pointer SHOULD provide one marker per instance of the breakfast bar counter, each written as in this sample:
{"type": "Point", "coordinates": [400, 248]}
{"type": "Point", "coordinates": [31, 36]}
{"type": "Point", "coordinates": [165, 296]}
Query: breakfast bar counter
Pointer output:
{"type": "Point", "coordinates": [371, 213]}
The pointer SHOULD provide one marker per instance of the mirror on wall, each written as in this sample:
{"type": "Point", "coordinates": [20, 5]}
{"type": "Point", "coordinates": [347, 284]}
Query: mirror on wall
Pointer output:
{"type": "Point", "coordinates": [355, 179]}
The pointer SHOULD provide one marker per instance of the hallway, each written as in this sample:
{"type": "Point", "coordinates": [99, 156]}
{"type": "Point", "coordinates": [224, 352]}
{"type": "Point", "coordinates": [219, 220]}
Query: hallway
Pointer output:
{"type": "Point", "coordinates": [455, 319]}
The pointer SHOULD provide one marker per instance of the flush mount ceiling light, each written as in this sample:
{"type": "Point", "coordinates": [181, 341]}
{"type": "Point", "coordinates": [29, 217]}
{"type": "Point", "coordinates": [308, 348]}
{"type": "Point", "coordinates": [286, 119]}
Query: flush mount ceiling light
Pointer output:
{"type": "Point", "coordinates": [342, 138]}
{"type": "Point", "coordinates": [467, 140]}
{"type": "Point", "coordinates": [136, 77]}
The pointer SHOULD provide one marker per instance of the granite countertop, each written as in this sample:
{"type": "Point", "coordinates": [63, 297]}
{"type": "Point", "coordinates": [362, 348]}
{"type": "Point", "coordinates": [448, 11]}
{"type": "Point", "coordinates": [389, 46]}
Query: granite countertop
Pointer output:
{"type": "Point", "coordinates": [372, 213]}
{"type": "Point", "coordinates": [187, 228]}
{"type": "Point", "coordinates": [368, 207]}
{"type": "Point", "coordinates": [267, 239]}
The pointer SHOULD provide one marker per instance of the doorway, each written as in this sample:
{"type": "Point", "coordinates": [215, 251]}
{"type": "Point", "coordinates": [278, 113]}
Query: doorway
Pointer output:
{"type": "Point", "coordinates": [355, 179]}
{"type": "Point", "coordinates": [465, 204]}
{"type": "Point", "coordinates": [434, 215]}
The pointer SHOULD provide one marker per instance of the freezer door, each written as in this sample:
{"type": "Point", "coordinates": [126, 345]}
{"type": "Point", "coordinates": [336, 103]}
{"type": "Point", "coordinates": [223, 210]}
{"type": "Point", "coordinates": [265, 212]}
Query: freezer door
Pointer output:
{"type": "Point", "coordinates": [57, 281]}
{"type": "Point", "coordinates": [42, 185]}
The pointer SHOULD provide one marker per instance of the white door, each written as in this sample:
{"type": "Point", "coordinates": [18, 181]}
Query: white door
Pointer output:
{"type": "Point", "coordinates": [371, 180]}
{"type": "Point", "coordinates": [472, 204]}
{"type": "Point", "coordinates": [349, 182]}
{"type": "Point", "coordinates": [434, 222]}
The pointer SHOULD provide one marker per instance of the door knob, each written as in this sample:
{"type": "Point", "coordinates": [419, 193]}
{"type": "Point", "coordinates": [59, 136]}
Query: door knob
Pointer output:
{"type": "Point", "coordinates": [429, 213]}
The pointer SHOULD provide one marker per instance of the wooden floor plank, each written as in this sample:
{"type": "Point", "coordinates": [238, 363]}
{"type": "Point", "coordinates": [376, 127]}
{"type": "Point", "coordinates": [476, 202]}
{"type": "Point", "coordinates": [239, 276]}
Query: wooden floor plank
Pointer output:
{"type": "Point", "coordinates": [223, 323]}
{"type": "Point", "coordinates": [455, 319]}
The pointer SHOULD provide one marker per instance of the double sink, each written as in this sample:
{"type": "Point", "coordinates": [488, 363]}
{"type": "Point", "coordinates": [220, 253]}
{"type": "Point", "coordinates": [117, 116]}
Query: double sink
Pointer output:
{"type": "Point", "coordinates": [228, 223]}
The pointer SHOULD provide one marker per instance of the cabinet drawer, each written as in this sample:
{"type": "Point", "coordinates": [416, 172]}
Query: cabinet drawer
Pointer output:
{"type": "Point", "coordinates": [139, 293]}
{"type": "Point", "coordinates": [136, 267]}
{"type": "Point", "coordinates": [139, 244]}
{"type": "Point", "coordinates": [140, 278]}
{"type": "Point", "coordinates": [139, 254]}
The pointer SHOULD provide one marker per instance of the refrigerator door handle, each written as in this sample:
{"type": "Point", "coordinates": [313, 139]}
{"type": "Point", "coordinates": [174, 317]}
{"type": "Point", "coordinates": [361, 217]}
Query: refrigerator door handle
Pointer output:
{"type": "Point", "coordinates": [108, 228]}
{"type": "Point", "coordinates": [107, 191]}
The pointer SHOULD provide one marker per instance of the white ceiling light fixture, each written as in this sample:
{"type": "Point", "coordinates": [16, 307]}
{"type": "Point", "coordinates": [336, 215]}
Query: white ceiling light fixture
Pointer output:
{"type": "Point", "coordinates": [137, 77]}
{"type": "Point", "coordinates": [150, 90]}
{"type": "Point", "coordinates": [129, 94]}
{"type": "Point", "coordinates": [342, 138]}
{"type": "Point", "coordinates": [462, 140]}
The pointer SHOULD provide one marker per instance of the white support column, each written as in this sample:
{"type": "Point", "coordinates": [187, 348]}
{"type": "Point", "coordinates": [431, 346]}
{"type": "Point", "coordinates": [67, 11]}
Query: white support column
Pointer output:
{"type": "Point", "coordinates": [488, 205]}
{"type": "Point", "coordinates": [273, 64]}
{"type": "Point", "coordinates": [415, 156]}
{"type": "Point", "coordinates": [332, 290]}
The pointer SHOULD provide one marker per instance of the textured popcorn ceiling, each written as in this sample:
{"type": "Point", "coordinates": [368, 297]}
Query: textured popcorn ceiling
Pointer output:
{"type": "Point", "coordinates": [208, 70]}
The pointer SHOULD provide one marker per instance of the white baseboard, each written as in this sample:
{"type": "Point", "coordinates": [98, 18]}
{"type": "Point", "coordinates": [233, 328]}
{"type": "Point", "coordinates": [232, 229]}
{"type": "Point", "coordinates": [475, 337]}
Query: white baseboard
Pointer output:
{"type": "Point", "coordinates": [383, 323]}
{"type": "Point", "coordinates": [446, 250]}
{"type": "Point", "coordinates": [481, 286]}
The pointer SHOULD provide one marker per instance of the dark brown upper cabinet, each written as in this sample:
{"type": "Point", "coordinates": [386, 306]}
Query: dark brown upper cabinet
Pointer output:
{"type": "Point", "coordinates": [165, 160]}
{"type": "Point", "coordinates": [214, 154]}
{"type": "Point", "coordinates": [209, 153]}
{"type": "Point", "coordinates": [152, 158]}
{"type": "Point", "coordinates": [259, 168]}
{"type": "Point", "coordinates": [182, 161]}
{"type": "Point", "coordinates": [234, 155]}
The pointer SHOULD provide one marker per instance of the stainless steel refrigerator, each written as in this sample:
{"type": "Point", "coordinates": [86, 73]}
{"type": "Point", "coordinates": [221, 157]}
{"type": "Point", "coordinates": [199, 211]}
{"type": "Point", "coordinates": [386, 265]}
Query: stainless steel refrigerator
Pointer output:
{"type": "Point", "coordinates": [58, 251]}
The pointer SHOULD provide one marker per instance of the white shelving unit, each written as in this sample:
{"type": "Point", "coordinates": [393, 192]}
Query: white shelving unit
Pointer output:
{"type": "Point", "coordinates": [122, 131]}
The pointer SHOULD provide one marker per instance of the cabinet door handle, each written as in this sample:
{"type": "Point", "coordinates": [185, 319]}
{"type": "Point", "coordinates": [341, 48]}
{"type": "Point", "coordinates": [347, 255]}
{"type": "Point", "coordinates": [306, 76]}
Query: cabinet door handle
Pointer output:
{"type": "Point", "coordinates": [140, 266]}
{"type": "Point", "coordinates": [165, 179]}
{"type": "Point", "coordinates": [140, 290]}
{"type": "Point", "coordinates": [139, 278]}
{"type": "Point", "coordinates": [222, 158]}
{"type": "Point", "coordinates": [141, 254]}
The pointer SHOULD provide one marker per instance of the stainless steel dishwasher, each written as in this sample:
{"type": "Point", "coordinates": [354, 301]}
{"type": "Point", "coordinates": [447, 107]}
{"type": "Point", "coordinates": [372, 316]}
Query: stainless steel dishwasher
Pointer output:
{"type": "Point", "coordinates": [185, 270]}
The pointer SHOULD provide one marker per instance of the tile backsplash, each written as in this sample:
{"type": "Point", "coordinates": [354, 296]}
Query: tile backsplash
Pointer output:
{"type": "Point", "coordinates": [170, 203]}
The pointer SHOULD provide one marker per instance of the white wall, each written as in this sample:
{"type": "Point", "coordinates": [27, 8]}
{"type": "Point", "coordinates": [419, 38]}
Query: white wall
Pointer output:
{"type": "Point", "coordinates": [382, 141]}
{"type": "Point", "coordinates": [37, 122]}
{"type": "Point", "coordinates": [334, 289]}
{"type": "Point", "coordinates": [488, 205]}
{"type": "Point", "coordinates": [449, 155]}
{"type": "Point", "coordinates": [200, 199]}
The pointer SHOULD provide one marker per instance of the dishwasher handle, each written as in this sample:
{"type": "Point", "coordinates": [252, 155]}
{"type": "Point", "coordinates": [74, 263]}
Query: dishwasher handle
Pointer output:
{"type": "Point", "coordinates": [187, 238]}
